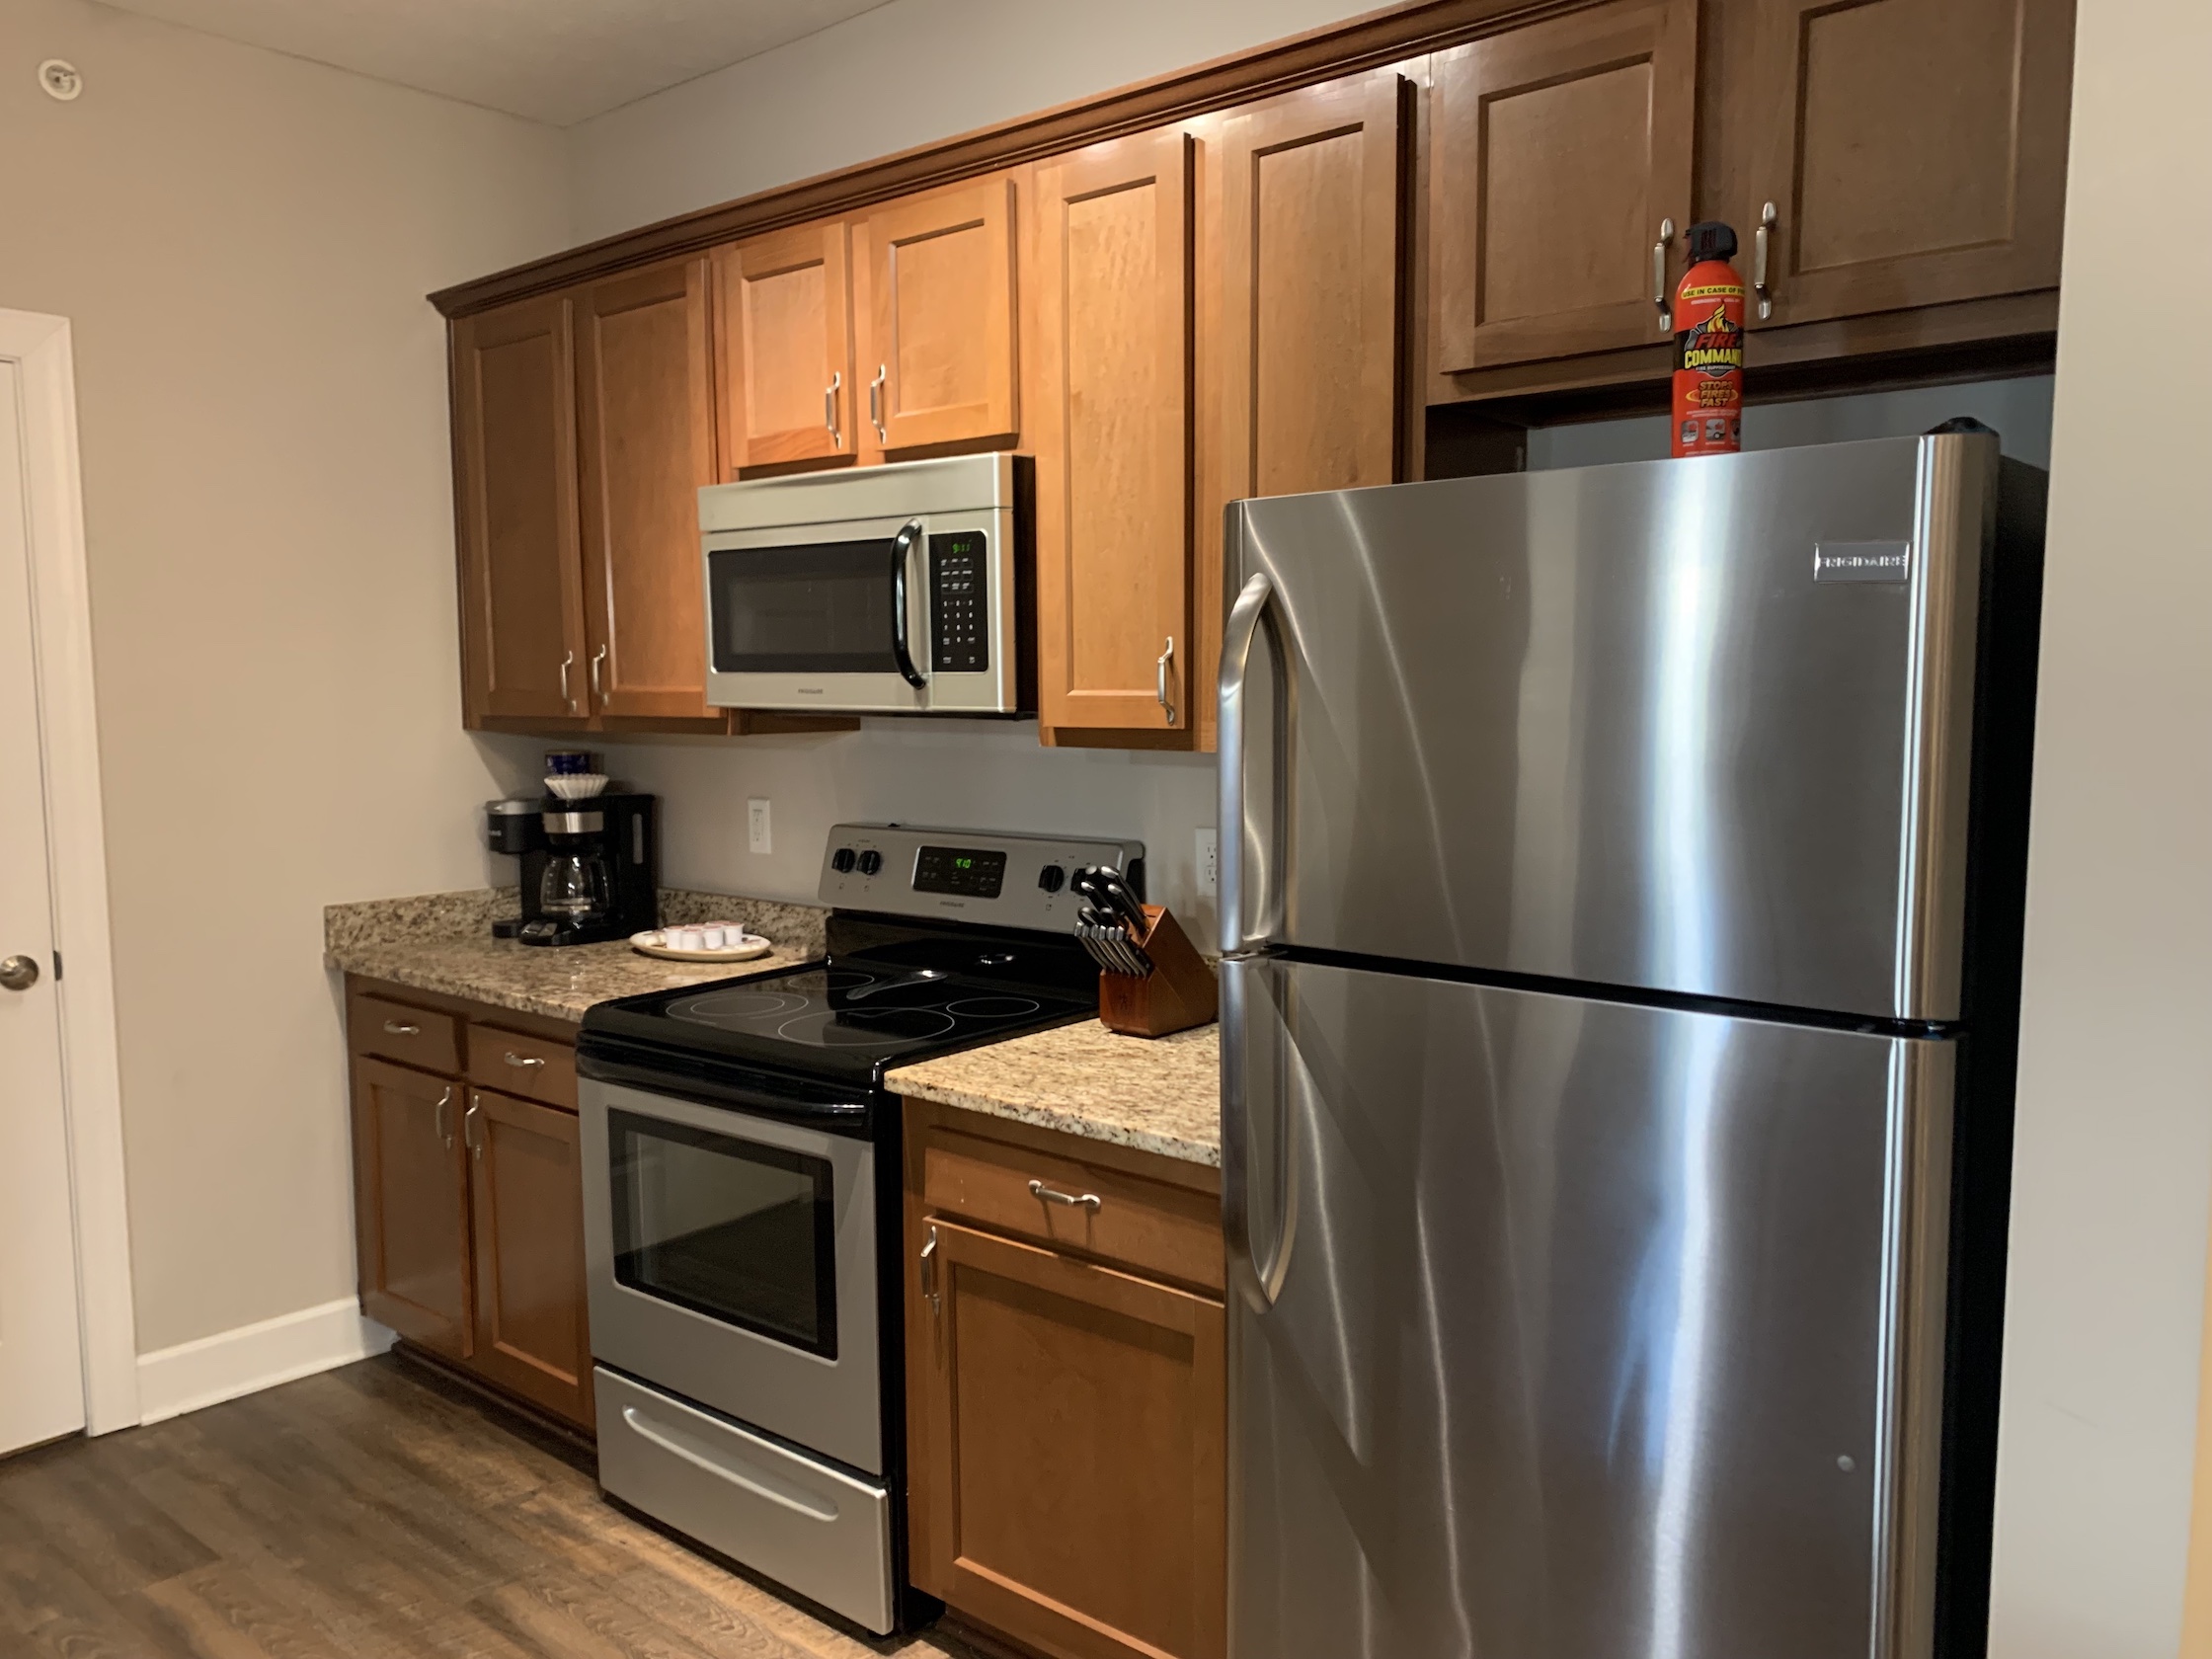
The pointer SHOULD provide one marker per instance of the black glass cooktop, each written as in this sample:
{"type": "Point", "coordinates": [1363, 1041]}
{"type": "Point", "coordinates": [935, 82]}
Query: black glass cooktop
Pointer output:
{"type": "Point", "coordinates": [886, 995]}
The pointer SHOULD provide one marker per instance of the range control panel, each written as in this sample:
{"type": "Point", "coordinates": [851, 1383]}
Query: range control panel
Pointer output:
{"type": "Point", "coordinates": [960, 603]}
{"type": "Point", "coordinates": [967, 875]}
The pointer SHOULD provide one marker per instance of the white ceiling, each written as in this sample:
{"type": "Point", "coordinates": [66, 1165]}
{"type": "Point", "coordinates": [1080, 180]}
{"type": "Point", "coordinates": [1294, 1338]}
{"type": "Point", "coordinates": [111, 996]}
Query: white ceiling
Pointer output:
{"type": "Point", "coordinates": [552, 60]}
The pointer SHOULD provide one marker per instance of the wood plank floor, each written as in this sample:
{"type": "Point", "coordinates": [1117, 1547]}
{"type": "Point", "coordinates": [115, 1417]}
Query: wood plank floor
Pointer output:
{"type": "Point", "coordinates": [368, 1513]}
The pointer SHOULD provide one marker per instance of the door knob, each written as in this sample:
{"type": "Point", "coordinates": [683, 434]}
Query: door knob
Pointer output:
{"type": "Point", "coordinates": [19, 973]}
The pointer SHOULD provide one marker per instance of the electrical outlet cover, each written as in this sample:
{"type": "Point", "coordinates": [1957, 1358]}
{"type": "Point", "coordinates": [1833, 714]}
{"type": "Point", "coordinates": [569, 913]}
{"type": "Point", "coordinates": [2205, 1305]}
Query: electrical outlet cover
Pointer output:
{"type": "Point", "coordinates": [759, 837]}
{"type": "Point", "coordinates": [1209, 856]}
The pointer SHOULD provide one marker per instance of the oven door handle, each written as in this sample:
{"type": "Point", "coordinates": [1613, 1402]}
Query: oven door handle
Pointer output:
{"type": "Point", "coordinates": [903, 547]}
{"type": "Point", "coordinates": [674, 1442]}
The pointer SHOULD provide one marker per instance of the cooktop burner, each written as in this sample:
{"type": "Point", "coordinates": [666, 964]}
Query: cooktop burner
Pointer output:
{"type": "Point", "coordinates": [887, 995]}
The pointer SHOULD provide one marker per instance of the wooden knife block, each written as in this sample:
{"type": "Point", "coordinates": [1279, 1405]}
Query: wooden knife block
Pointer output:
{"type": "Point", "coordinates": [1178, 993]}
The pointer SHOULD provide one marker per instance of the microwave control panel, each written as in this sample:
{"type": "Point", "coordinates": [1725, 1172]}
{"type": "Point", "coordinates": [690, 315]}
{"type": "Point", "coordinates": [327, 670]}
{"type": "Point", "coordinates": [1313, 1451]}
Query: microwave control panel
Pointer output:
{"type": "Point", "coordinates": [960, 603]}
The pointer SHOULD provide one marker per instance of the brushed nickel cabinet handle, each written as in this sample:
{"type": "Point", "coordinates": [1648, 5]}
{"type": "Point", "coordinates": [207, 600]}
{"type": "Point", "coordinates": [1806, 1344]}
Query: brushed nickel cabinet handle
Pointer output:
{"type": "Point", "coordinates": [521, 1062]}
{"type": "Point", "coordinates": [1659, 275]}
{"type": "Point", "coordinates": [599, 695]}
{"type": "Point", "coordinates": [1761, 244]}
{"type": "Point", "coordinates": [469, 1134]}
{"type": "Point", "coordinates": [399, 1030]}
{"type": "Point", "coordinates": [830, 407]}
{"type": "Point", "coordinates": [568, 658]}
{"type": "Point", "coordinates": [875, 401]}
{"type": "Point", "coordinates": [1161, 671]}
{"type": "Point", "coordinates": [1076, 1200]}
{"type": "Point", "coordinates": [930, 1274]}
{"type": "Point", "coordinates": [443, 1127]}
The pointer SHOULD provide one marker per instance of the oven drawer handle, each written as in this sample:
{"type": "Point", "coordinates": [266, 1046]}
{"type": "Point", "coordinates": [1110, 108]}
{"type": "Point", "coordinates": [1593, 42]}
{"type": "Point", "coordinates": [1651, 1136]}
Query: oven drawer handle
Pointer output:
{"type": "Point", "coordinates": [1053, 1195]}
{"type": "Point", "coordinates": [676, 1443]}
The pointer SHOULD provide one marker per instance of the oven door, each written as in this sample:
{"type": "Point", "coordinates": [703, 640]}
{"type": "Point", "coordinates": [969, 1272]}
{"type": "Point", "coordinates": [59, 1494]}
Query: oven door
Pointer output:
{"type": "Point", "coordinates": [731, 1261]}
{"type": "Point", "coordinates": [820, 616]}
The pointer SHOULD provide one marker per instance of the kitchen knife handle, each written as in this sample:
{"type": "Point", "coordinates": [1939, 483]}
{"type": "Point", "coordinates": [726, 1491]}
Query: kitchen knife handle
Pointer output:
{"type": "Point", "coordinates": [1244, 621]}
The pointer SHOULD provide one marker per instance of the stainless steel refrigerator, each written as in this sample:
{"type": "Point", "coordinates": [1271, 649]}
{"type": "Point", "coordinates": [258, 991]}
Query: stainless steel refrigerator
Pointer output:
{"type": "Point", "coordinates": [1620, 881]}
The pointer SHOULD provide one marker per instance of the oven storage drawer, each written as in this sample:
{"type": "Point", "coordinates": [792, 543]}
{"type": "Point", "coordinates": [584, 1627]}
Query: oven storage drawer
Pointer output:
{"type": "Point", "coordinates": [817, 1529]}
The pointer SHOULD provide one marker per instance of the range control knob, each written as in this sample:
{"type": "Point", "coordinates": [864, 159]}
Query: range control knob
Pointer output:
{"type": "Point", "coordinates": [870, 862]}
{"type": "Point", "coordinates": [841, 860]}
{"type": "Point", "coordinates": [1051, 878]}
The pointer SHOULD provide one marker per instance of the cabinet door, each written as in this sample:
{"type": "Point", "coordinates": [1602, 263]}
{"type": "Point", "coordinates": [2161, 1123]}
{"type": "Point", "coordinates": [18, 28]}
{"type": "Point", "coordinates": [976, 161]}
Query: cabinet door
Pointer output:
{"type": "Point", "coordinates": [1112, 436]}
{"type": "Point", "coordinates": [1562, 151]}
{"type": "Point", "coordinates": [532, 1332]}
{"type": "Point", "coordinates": [521, 574]}
{"type": "Point", "coordinates": [1300, 344]}
{"type": "Point", "coordinates": [1912, 151]}
{"type": "Point", "coordinates": [935, 303]}
{"type": "Point", "coordinates": [786, 312]}
{"type": "Point", "coordinates": [646, 419]}
{"type": "Point", "coordinates": [1067, 1482]}
{"type": "Point", "coordinates": [411, 1204]}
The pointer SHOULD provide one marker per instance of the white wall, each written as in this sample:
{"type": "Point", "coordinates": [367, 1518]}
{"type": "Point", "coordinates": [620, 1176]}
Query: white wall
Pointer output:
{"type": "Point", "coordinates": [963, 774]}
{"type": "Point", "coordinates": [905, 75]}
{"type": "Point", "coordinates": [2114, 1159]}
{"type": "Point", "coordinates": [242, 241]}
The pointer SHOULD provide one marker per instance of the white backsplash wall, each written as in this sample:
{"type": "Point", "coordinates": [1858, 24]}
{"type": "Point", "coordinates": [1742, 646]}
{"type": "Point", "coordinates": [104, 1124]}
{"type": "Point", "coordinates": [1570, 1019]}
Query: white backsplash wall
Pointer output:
{"type": "Point", "coordinates": [961, 774]}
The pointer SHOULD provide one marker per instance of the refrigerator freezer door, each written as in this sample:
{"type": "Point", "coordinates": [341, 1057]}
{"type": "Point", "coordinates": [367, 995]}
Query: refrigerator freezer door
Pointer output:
{"type": "Point", "coordinates": [1574, 1328]}
{"type": "Point", "coordinates": [1696, 726]}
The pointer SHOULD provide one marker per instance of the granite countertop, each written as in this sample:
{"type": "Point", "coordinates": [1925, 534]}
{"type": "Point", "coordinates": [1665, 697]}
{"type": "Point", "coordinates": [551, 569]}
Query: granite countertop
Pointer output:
{"type": "Point", "coordinates": [442, 942]}
{"type": "Point", "coordinates": [1162, 1094]}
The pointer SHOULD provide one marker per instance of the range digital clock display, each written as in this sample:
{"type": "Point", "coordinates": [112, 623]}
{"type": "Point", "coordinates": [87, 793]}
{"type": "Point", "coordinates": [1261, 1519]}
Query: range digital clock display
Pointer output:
{"type": "Point", "coordinates": [966, 872]}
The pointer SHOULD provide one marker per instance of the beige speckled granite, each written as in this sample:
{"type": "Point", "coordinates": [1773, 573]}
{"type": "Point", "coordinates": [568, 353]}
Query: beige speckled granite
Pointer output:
{"type": "Point", "coordinates": [442, 942]}
{"type": "Point", "coordinates": [1159, 1094]}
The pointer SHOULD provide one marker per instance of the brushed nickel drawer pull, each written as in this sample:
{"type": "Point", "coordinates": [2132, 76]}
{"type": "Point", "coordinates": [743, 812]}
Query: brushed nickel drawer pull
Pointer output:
{"type": "Point", "coordinates": [444, 1129]}
{"type": "Point", "coordinates": [398, 1030]}
{"type": "Point", "coordinates": [930, 1274]}
{"type": "Point", "coordinates": [470, 1137]}
{"type": "Point", "coordinates": [1053, 1195]}
{"type": "Point", "coordinates": [520, 1062]}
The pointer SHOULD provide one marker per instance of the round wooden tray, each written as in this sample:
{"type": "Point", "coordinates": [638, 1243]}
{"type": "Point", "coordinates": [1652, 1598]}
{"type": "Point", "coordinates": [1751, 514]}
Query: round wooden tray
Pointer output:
{"type": "Point", "coordinates": [649, 943]}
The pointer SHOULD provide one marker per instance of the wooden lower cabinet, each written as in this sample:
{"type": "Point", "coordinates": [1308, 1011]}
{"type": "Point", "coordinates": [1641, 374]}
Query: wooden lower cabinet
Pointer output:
{"type": "Point", "coordinates": [411, 1206]}
{"type": "Point", "coordinates": [527, 1202]}
{"type": "Point", "coordinates": [468, 1202]}
{"type": "Point", "coordinates": [1067, 1485]}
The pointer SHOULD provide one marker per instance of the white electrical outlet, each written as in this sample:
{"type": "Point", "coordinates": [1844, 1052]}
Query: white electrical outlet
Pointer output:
{"type": "Point", "coordinates": [1209, 854]}
{"type": "Point", "coordinates": [757, 837]}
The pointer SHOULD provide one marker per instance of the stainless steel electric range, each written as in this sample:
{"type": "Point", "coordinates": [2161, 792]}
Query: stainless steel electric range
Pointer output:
{"type": "Point", "coordinates": [741, 1195]}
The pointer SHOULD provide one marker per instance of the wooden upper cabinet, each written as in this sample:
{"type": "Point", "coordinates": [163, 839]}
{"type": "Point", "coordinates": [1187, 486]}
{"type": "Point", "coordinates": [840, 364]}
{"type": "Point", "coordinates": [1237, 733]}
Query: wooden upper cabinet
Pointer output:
{"type": "Point", "coordinates": [1912, 151]}
{"type": "Point", "coordinates": [1112, 434]}
{"type": "Point", "coordinates": [1562, 151]}
{"type": "Point", "coordinates": [532, 1333]}
{"type": "Point", "coordinates": [1067, 1455]}
{"type": "Point", "coordinates": [645, 423]}
{"type": "Point", "coordinates": [1301, 243]}
{"type": "Point", "coordinates": [522, 581]}
{"type": "Point", "coordinates": [785, 309]}
{"type": "Point", "coordinates": [411, 1204]}
{"type": "Point", "coordinates": [933, 300]}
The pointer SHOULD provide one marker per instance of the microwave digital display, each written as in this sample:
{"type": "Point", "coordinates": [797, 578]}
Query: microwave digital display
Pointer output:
{"type": "Point", "coordinates": [966, 872]}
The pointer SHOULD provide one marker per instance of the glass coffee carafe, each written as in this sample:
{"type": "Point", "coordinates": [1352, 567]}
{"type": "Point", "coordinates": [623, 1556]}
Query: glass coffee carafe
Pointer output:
{"type": "Point", "coordinates": [573, 885]}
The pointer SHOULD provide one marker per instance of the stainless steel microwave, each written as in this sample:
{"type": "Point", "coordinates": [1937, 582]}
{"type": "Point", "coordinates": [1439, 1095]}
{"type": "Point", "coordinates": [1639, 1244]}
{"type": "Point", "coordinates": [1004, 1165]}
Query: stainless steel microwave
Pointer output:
{"type": "Point", "coordinates": [884, 589]}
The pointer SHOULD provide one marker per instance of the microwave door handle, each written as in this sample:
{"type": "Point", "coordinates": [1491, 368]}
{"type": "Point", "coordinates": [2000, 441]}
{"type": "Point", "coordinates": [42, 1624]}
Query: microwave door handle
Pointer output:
{"type": "Point", "coordinates": [902, 547]}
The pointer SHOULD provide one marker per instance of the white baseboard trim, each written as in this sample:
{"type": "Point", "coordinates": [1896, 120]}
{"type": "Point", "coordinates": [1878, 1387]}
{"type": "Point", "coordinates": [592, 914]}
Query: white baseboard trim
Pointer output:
{"type": "Point", "coordinates": [245, 1361]}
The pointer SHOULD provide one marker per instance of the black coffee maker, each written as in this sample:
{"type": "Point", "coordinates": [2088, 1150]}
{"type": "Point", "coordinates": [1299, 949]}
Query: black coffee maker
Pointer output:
{"type": "Point", "coordinates": [591, 872]}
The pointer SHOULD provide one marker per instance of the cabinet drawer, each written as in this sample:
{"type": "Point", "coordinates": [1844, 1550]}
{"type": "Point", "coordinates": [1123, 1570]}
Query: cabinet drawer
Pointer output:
{"type": "Point", "coordinates": [1127, 1220]}
{"type": "Point", "coordinates": [411, 1036]}
{"type": "Point", "coordinates": [530, 1067]}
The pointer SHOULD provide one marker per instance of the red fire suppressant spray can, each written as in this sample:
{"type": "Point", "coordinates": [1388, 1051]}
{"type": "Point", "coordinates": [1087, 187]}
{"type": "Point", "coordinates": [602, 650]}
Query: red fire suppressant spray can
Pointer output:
{"type": "Point", "coordinates": [1709, 347]}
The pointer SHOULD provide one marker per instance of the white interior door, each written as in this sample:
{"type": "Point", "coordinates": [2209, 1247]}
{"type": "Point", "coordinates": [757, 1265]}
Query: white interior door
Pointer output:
{"type": "Point", "coordinates": [41, 1377]}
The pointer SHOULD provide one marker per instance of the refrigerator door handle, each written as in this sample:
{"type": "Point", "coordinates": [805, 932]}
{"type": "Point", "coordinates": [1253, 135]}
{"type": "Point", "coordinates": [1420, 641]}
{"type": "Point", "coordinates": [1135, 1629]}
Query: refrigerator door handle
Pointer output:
{"type": "Point", "coordinates": [1243, 624]}
{"type": "Point", "coordinates": [1260, 1283]}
